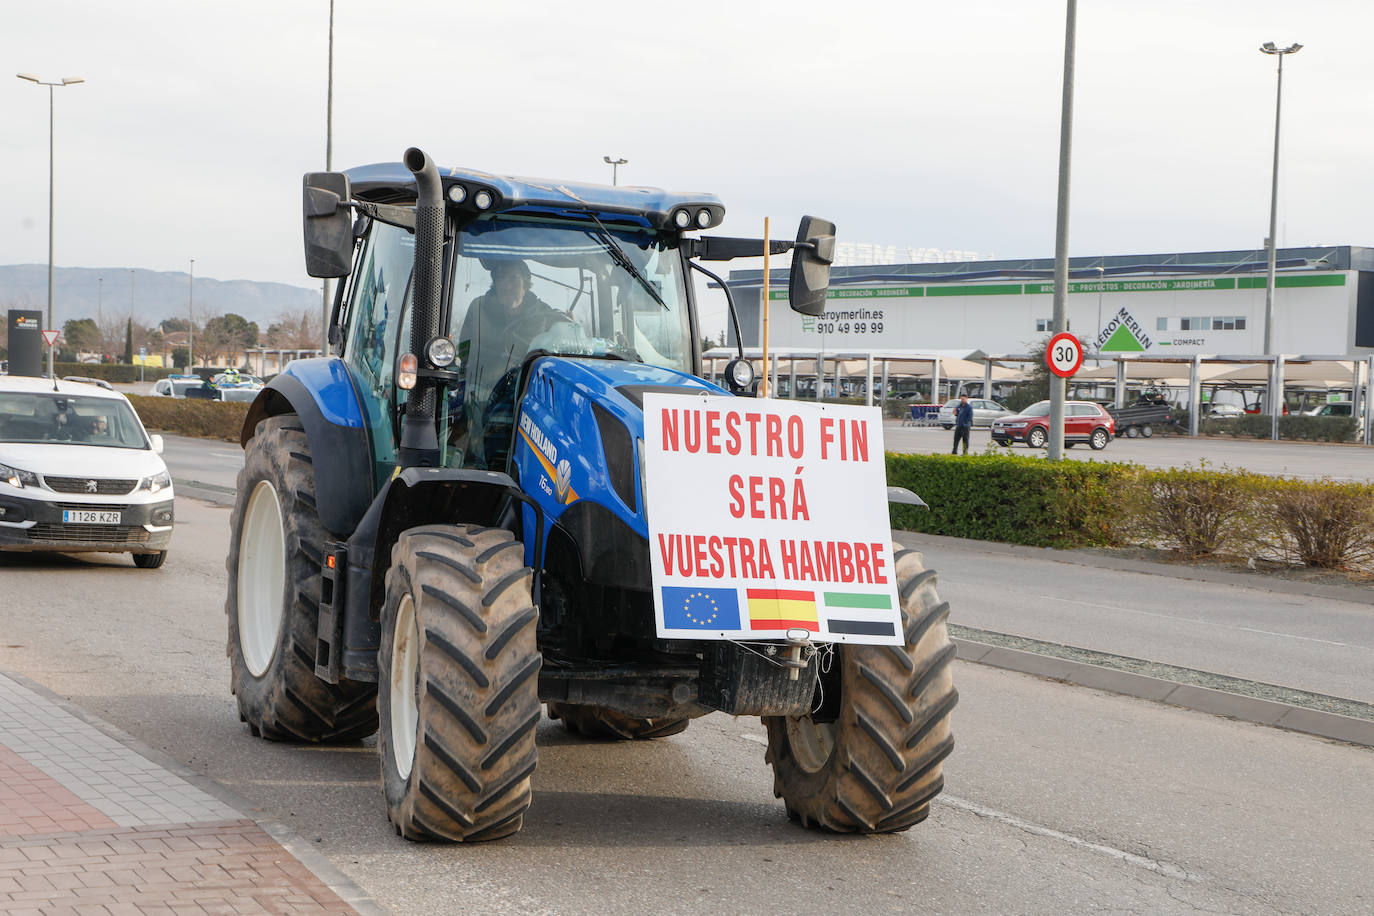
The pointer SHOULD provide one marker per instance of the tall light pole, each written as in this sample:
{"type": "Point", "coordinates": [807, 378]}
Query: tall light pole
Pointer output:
{"type": "Point", "coordinates": [328, 166]}
{"type": "Point", "coordinates": [190, 315]}
{"type": "Point", "coordinates": [66, 81]}
{"type": "Point", "coordinates": [1269, 48]}
{"type": "Point", "coordinates": [1059, 386]}
{"type": "Point", "coordinates": [614, 164]}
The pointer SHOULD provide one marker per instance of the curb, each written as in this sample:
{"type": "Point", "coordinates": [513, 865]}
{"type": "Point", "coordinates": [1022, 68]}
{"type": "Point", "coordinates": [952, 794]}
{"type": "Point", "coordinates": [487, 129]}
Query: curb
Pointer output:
{"type": "Point", "coordinates": [328, 873]}
{"type": "Point", "coordinates": [1202, 699]}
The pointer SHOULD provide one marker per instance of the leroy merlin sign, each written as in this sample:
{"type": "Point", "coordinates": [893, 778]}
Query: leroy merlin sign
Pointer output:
{"type": "Point", "coordinates": [1123, 334]}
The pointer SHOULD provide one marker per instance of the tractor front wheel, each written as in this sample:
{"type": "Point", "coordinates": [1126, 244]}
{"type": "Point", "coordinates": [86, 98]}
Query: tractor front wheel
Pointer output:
{"type": "Point", "coordinates": [876, 767]}
{"type": "Point", "coordinates": [459, 684]}
{"type": "Point", "coordinates": [275, 549]}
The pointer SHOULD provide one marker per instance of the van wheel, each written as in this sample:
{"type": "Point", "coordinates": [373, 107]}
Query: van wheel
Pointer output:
{"type": "Point", "coordinates": [150, 560]}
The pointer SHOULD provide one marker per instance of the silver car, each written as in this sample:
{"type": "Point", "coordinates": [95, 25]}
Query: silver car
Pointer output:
{"type": "Point", "coordinates": [984, 412]}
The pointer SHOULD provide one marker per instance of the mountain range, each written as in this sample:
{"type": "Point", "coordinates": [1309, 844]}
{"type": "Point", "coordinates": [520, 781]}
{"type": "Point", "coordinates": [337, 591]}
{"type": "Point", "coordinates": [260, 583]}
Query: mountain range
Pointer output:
{"type": "Point", "coordinates": [155, 294]}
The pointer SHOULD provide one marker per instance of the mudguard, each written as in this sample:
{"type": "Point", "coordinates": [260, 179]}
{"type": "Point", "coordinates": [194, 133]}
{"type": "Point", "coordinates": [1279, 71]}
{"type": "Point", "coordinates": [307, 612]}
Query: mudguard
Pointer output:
{"type": "Point", "coordinates": [320, 392]}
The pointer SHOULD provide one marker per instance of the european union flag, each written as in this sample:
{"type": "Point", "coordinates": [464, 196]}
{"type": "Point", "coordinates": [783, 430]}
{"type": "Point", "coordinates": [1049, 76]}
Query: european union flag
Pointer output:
{"type": "Point", "coordinates": [700, 608]}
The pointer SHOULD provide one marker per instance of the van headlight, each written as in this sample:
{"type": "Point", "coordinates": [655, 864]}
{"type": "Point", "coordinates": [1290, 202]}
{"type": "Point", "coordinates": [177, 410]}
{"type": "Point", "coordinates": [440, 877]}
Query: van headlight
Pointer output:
{"type": "Point", "coordinates": [156, 482]}
{"type": "Point", "coordinates": [17, 478]}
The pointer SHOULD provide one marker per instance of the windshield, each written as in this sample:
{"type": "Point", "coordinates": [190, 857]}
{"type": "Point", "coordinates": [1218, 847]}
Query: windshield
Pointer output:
{"type": "Point", "coordinates": [1038, 409]}
{"type": "Point", "coordinates": [65, 418]}
{"type": "Point", "coordinates": [572, 289]}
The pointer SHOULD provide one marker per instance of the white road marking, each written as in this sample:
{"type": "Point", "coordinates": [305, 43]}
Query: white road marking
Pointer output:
{"type": "Point", "coordinates": [1205, 623]}
{"type": "Point", "coordinates": [1164, 868]}
{"type": "Point", "coordinates": [1155, 865]}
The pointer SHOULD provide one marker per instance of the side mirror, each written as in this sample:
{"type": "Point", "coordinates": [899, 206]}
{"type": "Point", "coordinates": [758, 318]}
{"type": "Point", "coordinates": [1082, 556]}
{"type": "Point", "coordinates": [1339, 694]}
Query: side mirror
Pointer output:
{"type": "Point", "coordinates": [810, 278]}
{"type": "Point", "coordinates": [328, 225]}
{"type": "Point", "coordinates": [156, 441]}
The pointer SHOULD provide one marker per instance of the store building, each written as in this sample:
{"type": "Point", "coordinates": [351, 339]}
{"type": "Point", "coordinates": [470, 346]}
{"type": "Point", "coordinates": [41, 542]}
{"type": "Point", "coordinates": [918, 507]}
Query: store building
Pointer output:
{"type": "Point", "coordinates": [1159, 306]}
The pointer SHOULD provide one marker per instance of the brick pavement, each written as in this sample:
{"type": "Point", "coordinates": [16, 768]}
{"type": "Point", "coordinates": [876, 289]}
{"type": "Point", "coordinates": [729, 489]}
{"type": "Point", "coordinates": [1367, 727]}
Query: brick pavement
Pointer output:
{"type": "Point", "coordinates": [89, 825]}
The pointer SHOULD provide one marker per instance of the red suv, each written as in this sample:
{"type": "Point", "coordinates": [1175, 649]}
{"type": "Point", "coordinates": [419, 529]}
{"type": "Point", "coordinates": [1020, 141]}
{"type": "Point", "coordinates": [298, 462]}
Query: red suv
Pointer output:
{"type": "Point", "coordinates": [1084, 421]}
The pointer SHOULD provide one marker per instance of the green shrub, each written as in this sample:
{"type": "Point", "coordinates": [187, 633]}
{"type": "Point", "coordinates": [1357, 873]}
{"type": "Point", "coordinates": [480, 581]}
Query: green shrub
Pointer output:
{"type": "Point", "coordinates": [1195, 511]}
{"type": "Point", "coordinates": [1322, 523]}
{"type": "Point", "coordinates": [192, 417]}
{"type": "Point", "coordinates": [1011, 498]}
{"type": "Point", "coordinates": [1303, 429]}
{"type": "Point", "coordinates": [110, 372]}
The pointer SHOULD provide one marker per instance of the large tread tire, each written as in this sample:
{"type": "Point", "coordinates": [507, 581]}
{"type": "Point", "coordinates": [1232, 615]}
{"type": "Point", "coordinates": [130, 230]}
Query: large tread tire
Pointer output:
{"type": "Point", "coordinates": [600, 722]}
{"type": "Point", "coordinates": [463, 773]}
{"type": "Point", "coordinates": [286, 701]}
{"type": "Point", "coordinates": [887, 747]}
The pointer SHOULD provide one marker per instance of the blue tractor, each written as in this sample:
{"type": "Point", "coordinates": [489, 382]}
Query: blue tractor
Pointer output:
{"type": "Point", "coordinates": [442, 528]}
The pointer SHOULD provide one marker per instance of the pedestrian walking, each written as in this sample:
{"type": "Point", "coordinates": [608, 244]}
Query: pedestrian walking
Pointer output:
{"type": "Point", "coordinates": [963, 422]}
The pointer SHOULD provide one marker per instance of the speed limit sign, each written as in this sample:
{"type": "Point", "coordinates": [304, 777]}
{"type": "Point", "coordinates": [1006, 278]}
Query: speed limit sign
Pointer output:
{"type": "Point", "coordinates": [1064, 355]}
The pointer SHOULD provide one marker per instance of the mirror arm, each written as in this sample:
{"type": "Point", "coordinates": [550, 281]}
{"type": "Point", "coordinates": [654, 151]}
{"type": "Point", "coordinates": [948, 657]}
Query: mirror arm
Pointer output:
{"type": "Point", "coordinates": [730, 300]}
{"type": "Point", "coordinates": [404, 217]}
{"type": "Point", "coordinates": [726, 248]}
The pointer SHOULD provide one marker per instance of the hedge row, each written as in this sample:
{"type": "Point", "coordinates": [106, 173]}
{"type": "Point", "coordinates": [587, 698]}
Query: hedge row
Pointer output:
{"type": "Point", "coordinates": [1260, 426]}
{"type": "Point", "coordinates": [1192, 511]}
{"type": "Point", "coordinates": [111, 372]}
{"type": "Point", "coordinates": [192, 417]}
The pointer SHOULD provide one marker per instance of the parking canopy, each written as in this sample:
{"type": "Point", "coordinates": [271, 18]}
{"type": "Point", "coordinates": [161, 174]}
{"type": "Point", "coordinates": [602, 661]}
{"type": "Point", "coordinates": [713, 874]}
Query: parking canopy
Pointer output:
{"type": "Point", "coordinates": [1169, 374]}
{"type": "Point", "coordinates": [1314, 374]}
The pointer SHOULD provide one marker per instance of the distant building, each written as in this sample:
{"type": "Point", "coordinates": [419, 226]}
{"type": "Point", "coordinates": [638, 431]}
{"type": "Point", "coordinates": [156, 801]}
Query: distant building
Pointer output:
{"type": "Point", "coordinates": [1159, 305]}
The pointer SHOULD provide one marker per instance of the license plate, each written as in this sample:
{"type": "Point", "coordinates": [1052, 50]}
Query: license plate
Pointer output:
{"type": "Point", "coordinates": [87, 517]}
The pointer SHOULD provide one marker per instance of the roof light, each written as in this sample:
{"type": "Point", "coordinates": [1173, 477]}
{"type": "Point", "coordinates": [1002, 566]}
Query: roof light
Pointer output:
{"type": "Point", "coordinates": [457, 193]}
{"type": "Point", "coordinates": [682, 219]}
{"type": "Point", "coordinates": [703, 218]}
{"type": "Point", "coordinates": [482, 199]}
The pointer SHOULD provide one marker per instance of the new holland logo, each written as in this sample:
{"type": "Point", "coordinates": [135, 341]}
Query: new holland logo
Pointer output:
{"type": "Point", "coordinates": [1123, 334]}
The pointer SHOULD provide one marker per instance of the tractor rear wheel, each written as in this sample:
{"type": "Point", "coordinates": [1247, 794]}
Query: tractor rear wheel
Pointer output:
{"type": "Point", "coordinates": [600, 722]}
{"type": "Point", "coordinates": [275, 549]}
{"type": "Point", "coordinates": [877, 766]}
{"type": "Point", "coordinates": [459, 684]}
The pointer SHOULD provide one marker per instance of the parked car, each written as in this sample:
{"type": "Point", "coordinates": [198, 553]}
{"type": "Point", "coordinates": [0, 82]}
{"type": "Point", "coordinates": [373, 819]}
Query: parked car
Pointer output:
{"type": "Point", "coordinates": [1333, 409]}
{"type": "Point", "coordinates": [79, 473]}
{"type": "Point", "coordinates": [984, 412]}
{"type": "Point", "coordinates": [176, 386]}
{"type": "Point", "coordinates": [1084, 421]}
{"type": "Point", "coordinates": [1222, 411]}
{"type": "Point", "coordinates": [241, 392]}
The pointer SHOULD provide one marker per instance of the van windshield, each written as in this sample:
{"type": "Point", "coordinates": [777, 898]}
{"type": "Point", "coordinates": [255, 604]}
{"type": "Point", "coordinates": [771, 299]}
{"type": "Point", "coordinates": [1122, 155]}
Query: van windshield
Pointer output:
{"type": "Point", "coordinates": [30, 417]}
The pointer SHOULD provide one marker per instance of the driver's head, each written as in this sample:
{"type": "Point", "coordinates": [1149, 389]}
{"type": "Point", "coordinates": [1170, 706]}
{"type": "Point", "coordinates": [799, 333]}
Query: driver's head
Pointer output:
{"type": "Point", "coordinates": [510, 280]}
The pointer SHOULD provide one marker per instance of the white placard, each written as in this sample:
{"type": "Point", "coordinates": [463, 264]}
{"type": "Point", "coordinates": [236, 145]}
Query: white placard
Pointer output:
{"type": "Point", "coordinates": [767, 516]}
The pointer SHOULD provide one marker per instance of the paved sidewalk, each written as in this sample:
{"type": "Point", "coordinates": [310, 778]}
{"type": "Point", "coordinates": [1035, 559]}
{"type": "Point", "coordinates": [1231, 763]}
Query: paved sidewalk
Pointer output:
{"type": "Point", "coordinates": [89, 824]}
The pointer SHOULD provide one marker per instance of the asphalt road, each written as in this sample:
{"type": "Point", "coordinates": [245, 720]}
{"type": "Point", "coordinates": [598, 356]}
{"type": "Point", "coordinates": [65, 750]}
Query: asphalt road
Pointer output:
{"type": "Point", "coordinates": [1058, 800]}
{"type": "Point", "coordinates": [1322, 644]}
{"type": "Point", "coordinates": [1287, 459]}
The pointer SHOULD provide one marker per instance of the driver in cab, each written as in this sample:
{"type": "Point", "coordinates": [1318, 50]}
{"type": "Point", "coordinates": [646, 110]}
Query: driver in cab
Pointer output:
{"type": "Point", "coordinates": [497, 332]}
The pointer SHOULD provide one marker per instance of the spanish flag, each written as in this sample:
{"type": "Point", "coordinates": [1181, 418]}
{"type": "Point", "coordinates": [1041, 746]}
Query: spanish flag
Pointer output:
{"type": "Point", "coordinates": [781, 609]}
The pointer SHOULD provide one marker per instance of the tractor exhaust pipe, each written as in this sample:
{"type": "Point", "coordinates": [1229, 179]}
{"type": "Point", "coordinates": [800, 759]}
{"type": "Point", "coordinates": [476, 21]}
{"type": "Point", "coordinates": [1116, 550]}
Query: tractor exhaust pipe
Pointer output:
{"type": "Point", "coordinates": [419, 440]}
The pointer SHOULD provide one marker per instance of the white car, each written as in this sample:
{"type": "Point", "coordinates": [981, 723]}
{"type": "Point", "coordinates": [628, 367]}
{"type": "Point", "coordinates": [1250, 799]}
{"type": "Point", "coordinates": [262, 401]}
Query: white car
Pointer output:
{"type": "Point", "coordinates": [79, 473]}
{"type": "Point", "coordinates": [176, 386]}
{"type": "Point", "coordinates": [984, 412]}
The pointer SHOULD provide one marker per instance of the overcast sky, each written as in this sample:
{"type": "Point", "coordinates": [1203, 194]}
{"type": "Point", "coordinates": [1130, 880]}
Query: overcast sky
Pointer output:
{"type": "Point", "coordinates": [909, 123]}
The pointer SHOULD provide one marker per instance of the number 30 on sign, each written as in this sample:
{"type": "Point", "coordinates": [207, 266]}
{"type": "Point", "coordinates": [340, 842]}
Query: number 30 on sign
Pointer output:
{"type": "Point", "coordinates": [1064, 355]}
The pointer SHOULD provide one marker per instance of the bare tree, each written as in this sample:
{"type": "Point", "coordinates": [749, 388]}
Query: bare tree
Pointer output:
{"type": "Point", "coordinates": [294, 331]}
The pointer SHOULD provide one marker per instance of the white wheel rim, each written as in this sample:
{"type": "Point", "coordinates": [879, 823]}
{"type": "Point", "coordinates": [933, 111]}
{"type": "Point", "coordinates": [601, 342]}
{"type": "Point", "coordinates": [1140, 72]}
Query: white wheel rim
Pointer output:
{"type": "Point", "coordinates": [261, 579]}
{"type": "Point", "coordinates": [405, 705]}
{"type": "Point", "coordinates": [812, 742]}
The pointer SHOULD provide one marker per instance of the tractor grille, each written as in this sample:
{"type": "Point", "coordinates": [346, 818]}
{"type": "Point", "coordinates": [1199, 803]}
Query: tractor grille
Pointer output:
{"type": "Point", "coordinates": [100, 534]}
{"type": "Point", "coordinates": [103, 487]}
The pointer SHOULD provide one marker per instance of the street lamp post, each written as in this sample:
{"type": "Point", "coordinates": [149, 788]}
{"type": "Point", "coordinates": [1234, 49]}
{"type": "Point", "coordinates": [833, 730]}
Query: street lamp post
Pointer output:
{"type": "Point", "coordinates": [66, 81]}
{"type": "Point", "coordinates": [190, 315]}
{"type": "Point", "coordinates": [1270, 48]}
{"type": "Point", "coordinates": [614, 164]}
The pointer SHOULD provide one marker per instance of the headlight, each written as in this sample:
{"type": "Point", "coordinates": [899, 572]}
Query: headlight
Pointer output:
{"type": "Point", "coordinates": [156, 482]}
{"type": "Point", "coordinates": [441, 352]}
{"type": "Point", "coordinates": [17, 478]}
{"type": "Point", "coordinates": [1014, 425]}
{"type": "Point", "coordinates": [739, 374]}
